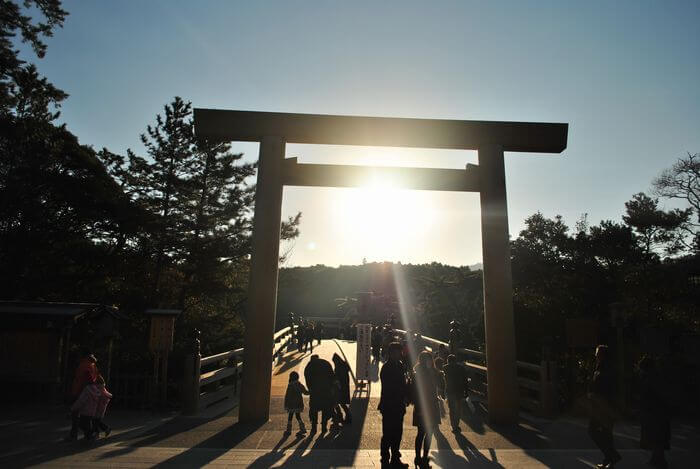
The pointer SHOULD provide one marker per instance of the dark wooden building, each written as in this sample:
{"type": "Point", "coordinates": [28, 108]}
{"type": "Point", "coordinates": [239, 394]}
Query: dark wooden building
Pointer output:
{"type": "Point", "coordinates": [37, 338]}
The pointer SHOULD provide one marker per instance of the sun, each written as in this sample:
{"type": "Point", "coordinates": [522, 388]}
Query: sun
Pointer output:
{"type": "Point", "coordinates": [382, 221]}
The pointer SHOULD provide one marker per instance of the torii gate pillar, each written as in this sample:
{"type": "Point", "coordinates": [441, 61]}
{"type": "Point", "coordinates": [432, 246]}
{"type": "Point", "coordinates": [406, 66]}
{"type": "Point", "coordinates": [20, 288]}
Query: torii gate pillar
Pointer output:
{"type": "Point", "coordinates": [262, 290]}
{"type": "Point", "coordinates": [498, 288]}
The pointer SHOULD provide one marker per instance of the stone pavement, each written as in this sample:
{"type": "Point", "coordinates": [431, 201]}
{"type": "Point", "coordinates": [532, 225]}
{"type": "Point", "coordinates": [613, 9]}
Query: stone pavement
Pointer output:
{"type": "Point", "coordinates": [216, 439]}
{"type": "Point", "coordinates": [326, 459]}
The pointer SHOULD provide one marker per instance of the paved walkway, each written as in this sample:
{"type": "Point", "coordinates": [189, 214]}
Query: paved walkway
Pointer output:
{"type": "Point", "coordinates": [219, 440]}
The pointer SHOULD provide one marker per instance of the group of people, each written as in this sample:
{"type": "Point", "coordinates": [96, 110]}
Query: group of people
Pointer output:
{"type": "Point", "coordinates": [307, 332]}
{"type": "Point", "coordinates": [89, 399]}
{"type": "Point", "coordinates": [329, 394]}
{"type": "Point", "coordinates": [425, 386]}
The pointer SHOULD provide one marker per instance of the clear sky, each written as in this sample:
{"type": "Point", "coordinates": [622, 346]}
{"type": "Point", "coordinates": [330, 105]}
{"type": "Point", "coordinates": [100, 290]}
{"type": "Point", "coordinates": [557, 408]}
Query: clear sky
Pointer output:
{"type": "Point", "coordinates": [625, 76]}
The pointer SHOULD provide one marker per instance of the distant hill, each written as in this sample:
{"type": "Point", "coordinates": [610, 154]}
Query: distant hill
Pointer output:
{"type": "Point", "coordinates": [477, 266]}
{"type": "Point", "coordinates": [432, 294]}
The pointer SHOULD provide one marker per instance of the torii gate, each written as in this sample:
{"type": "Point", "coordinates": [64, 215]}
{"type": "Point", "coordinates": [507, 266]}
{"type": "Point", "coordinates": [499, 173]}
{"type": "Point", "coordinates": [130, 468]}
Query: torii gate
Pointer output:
{"type": "Point", "coordinates": [273, 130]}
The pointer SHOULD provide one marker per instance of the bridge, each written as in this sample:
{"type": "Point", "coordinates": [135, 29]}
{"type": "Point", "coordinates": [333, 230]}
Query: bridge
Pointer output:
{"type": "Point", "coordinates": [212, 434]}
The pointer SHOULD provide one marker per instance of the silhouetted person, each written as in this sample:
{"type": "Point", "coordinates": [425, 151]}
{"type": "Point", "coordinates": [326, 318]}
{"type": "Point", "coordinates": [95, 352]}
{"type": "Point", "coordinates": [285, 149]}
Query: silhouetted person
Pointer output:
{"type": "Point", "coordinates": [294, 402]}
{"type": "Point", "coordinates": [418, 345]}
{"type": "Point", "coordinates": [342, 375]}
{"type": "Point", "coordinates": [387, 338]}
{"type": "Point", "coordinates": [301, 336]}
{"type": "Point", "coordinates": [319, 378]}
{"type": "Point", "coordinates": [654, 412]}
{"type": "Point", "coordinates": [440, 367]}
{"type": "Point", "coordinates": [98, 424]}
{"type": "Point", "coordinates": [86, 407]}
{"type": "Point", "coordinates": [310, 332]}
{"type": "Point", "coordinates": [376, 343]}
{"type": "Point", "coordinates": [456, 389]}
{"type": "Point", "coordinates": [86, 373]}
{"type": "Point", "coordinates": [601, 394]}
{"type": "Point", "coordinates": [319, 332]}
{"type": "Point", "coordinates": [443, 352]}
{"type": "Point", "coordinates": [426, 406]}
{"type": "Point", "coordinates": [455, 340]}
{"type": "Point", "coordinates": [392, 405]}
{"type": "Point", "coordinates": [407, 353]}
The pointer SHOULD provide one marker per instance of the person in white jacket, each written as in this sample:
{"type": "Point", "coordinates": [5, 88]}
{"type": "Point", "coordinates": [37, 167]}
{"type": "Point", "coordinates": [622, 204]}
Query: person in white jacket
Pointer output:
{"type": "Point", "coordinates": [86, 407]}
{"type": "Point", "coordinates": [105, 396]}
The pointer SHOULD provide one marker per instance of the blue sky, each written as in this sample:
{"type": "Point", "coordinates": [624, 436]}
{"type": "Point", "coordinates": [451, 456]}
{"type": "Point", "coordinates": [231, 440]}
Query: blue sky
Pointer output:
{"type": "Point", "coordinates": [624, 75]}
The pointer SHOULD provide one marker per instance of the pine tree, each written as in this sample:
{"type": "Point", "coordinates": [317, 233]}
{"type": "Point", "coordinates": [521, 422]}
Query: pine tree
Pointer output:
{"type": "Point", "coordinates": [201, 200]}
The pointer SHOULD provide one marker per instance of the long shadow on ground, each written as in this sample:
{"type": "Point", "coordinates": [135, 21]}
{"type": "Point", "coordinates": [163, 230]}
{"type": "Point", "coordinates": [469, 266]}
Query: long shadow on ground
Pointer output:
{"type": "Point", "coordinates": [346, 437]}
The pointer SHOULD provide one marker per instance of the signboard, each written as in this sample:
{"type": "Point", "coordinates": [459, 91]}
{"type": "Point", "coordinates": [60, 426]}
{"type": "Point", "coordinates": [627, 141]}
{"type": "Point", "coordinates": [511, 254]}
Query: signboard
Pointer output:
{"type": "Point", "coordinates": [364, 351]}
{"type": "Point", "coordinates": [161, 337]}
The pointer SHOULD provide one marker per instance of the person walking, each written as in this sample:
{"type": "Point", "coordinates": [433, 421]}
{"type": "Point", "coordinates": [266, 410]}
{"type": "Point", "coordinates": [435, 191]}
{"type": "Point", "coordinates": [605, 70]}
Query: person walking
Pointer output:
{"type": "Point", "coordinates": [310, 332]}
{"type": "Point", "coordinates": [392, 405]}
{"type": "Point", "coordinates": [456, 389]}
{"type": "Point", "coordinates": [301, 336]}
{"type": "Point", "coordinates": [443, 352]}
{"type": "Point", "coordinates": [387, 338]}
{"type": "Point", "coordinates": [376, 343]}
{"type": "Point", "coordinates": [319, 378]}
{"type": "Point", "coordinates": [440, 367]}
{"type": "Point", "coordinates": [319, 332]}
{"type": "Point", "coordinates": [655, 412]}
{"type": "Point", "coordinates": [426, 406]}
{"type": "Point", "coordinates": [103, 401]}
{"type": "Point", "coordinates": [602, 416]}
{"type": "Point", "coordinates": [342, 375]}
{"type": "Point", "coordinates": [294, 402]}
{"type": "Point", "coordinates": [85, 373]}
{"type": "Point", "coordinates": [86, 407]}
{"type": "Point", "coordinates": [455, 336]}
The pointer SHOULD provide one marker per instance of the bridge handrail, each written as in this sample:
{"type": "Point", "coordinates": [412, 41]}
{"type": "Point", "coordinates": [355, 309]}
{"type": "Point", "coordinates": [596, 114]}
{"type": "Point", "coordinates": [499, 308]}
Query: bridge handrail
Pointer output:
{"type": "Point", "coordinates": [221, 356]}
{"type": "Point", "coordinates": [195, 399]}
{"type": "Point", "coordinates": [544, 387]}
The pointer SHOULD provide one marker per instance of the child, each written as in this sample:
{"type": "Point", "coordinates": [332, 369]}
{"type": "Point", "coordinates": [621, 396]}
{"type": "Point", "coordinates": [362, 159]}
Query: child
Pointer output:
{"type": "Point", "coordinates": [103, 400]}
{"type": "Point", "coordinates": [86, 406]}
{"type": "Point", "coordinates": [294, 402]}
{"type": "Point", "coordinates": [440, 367]}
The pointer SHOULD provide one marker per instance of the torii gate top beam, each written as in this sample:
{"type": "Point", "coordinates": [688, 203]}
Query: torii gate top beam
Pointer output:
{"type": "Point", "coordinates": [252, 126]}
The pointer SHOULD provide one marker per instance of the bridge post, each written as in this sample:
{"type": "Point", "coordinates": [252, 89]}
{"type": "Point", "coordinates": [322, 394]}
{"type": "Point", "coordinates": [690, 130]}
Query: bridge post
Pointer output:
{"type": "Point", "coordinates": [192, 373]}
{"type": "Point", "coordinates": [262, 289]}
{"type": "Point", "coordinates": [498, 288]}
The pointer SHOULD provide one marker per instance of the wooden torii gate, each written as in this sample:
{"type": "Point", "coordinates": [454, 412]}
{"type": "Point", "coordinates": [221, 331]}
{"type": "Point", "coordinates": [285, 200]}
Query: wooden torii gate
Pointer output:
{"type": "Point", "coordinates": [274, 130]}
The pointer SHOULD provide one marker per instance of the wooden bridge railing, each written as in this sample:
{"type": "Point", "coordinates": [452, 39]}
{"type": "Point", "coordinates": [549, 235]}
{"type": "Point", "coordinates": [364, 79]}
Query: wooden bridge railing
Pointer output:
{"type": "Point", "coordinates": [209, 380]}
{"type": "Point", "coordinates": [537, 383]}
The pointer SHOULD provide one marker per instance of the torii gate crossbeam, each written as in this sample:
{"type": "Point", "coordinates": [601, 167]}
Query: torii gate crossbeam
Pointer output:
{"type": "Point", "coordinates": [490, 139]}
